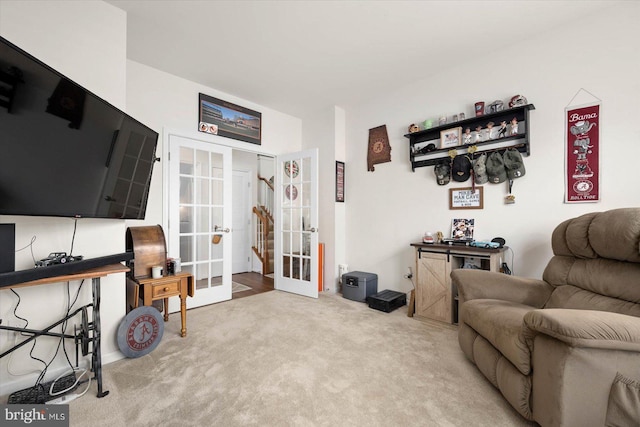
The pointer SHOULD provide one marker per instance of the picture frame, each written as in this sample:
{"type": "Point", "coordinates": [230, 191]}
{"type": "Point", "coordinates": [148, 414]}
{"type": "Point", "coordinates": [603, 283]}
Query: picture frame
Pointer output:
{"type": "Point", "coordinates": [466, 198]}
{"type": "Point", "coordinates": [451, 137]}
{"type": "Point", "coordinates": [339, 182]}
{"type": "Point", "coordinates": [218, 117]}
{"type": "Point", "coordinates": [462, 229]}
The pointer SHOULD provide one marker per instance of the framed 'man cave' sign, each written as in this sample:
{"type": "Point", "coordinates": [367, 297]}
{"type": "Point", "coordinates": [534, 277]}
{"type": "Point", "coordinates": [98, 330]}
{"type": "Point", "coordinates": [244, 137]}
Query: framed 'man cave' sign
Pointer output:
{"type": "Point", "coordinates": [223, 118]}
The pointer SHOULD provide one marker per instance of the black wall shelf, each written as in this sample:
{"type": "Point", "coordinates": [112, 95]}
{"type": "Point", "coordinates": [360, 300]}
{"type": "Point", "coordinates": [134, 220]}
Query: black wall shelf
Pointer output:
{"type": "Point", "coordinates": [420, 139]}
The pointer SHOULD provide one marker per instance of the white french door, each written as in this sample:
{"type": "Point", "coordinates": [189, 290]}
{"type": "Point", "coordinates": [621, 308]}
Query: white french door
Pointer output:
{"type": "Point", "coordinates": [200, 216]}
{"type": "Point", "coordinates": [296, 223]}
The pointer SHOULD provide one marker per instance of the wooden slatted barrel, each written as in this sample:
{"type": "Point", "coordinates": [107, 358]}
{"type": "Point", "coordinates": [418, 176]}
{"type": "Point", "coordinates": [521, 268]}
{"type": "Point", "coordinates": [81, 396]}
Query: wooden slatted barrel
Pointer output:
{"type": "Point", "coordinates": [149, 248]}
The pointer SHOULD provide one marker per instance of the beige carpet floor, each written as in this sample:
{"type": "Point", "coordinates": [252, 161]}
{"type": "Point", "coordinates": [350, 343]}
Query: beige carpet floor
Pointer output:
{"type": "Point", "coordinates": [278, 359]}
{"type": "Point", "coordinates": [238, 287]}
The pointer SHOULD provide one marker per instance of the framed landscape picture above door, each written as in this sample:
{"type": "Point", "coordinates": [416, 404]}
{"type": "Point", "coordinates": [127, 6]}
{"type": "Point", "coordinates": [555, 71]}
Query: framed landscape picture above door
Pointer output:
{"type": "Point", "coordinates": [223, 118]}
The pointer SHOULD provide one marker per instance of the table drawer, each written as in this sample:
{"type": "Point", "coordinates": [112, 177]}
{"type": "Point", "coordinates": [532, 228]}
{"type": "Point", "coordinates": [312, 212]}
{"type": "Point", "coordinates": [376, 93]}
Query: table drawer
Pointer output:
{"type": "Point", "coordinates": [165, 290]}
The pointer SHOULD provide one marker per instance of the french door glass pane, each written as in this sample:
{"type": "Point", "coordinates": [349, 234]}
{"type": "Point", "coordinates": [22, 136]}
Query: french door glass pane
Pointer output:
{"type": "Point", "coordinates": [217, 193]}
{"type": "Point", "coordinates": [186, 248]}
{"type": "Point", "coordinates": [186, 161]}
{"type": "Point", "coordinates": [202, 162]}
{"type": "Point", "coordinates": [186, 190]}
{"type": "Point", "coordinates": [186, 219]}
{"type": "Point", "coordinates": [217, 248]}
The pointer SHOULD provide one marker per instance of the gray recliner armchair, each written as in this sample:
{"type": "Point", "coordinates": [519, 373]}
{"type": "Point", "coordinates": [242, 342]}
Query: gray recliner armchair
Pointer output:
{"type": "Point", "coordinates": [564, 350]}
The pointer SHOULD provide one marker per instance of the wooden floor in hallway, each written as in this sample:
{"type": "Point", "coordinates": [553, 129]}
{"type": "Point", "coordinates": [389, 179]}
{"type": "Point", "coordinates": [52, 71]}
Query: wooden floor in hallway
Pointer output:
{"type": "Point", "coordinates": [256, 281]}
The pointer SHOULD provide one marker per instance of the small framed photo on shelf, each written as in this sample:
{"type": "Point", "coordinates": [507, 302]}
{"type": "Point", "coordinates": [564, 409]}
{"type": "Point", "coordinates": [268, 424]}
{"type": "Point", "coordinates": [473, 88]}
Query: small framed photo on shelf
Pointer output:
{"type": "Point", "coordinates": [462, 229]}
{"type": "Point", "coordinates": [451, 137]}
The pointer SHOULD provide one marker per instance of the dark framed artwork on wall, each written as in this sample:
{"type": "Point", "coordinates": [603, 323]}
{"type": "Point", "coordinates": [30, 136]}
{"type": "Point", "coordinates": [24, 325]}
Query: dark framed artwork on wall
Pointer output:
{"type": "Point", "coordinates": [223, 118]}
{"type": "Point", "coordinates": [340, 182]}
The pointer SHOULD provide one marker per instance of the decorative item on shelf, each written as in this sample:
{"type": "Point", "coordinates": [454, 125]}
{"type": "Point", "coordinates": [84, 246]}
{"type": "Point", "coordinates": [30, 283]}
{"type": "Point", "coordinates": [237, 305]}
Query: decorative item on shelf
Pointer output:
{"type": "Point", "coordinates": [443, 172]}
{"type": "Point", "coordinates": [467, 138]}
{"type": "Point", "coordinates": [514, 126]}
{"type": "Point", "coordinates": [379, 150]}
{"type": "Point", "coordinates": [450, 137]}
{"type": "Point", "coordinates": [461, 116]}
{"type": "Point", "coordinates": [424, 150]}
{"type": "Point", "coordinates": [502, 132]}
{"type": "Point", "coordinates": [496, 106]}
{"type": "Point", "coordinates": [455, 118]}
{"type": "Point", "coordinates": [427, 124]}
{"type": "Point", "coordinates": [479, 108]}
{"type": "Point", "coordinates": [442, 120]}
{"type": "Point", "coordinates": [495, 168]}
{"type": "Point", "coordinates": [517, 101]}
{"type": "Point", "coordinates": [428, 238]}
{"type": "Point", "coordinates": [478, 134]}
{"type": "Point", "coordinates": [413, 128]}
{"type": "Point", "coordinates": [489, 130]}
{"type": "Point", "coordinates": [462, 229]}
{"type": "Point", "coordinates": [439, 237]}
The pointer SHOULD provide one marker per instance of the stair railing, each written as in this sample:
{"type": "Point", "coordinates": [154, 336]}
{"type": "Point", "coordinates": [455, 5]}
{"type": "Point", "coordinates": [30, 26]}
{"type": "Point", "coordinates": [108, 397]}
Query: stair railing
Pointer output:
{"type": "Point", "coordinates": [261, 248]}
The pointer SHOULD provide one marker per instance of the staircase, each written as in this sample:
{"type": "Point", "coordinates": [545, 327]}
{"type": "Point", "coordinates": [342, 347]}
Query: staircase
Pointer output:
{"type": "Point", "coordinates": [264, 247]}
{"type": "Point", "coordinates": [264, 238]}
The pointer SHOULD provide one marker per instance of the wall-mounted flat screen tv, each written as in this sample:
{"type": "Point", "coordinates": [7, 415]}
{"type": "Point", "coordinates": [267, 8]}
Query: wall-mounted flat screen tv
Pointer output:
{"type": "Point", "coordinates": [65, 151]}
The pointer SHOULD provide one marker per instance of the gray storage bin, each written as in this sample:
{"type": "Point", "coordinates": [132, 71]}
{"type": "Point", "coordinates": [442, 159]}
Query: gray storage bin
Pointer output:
{"type": "Point", "coordinates": [358, 285]}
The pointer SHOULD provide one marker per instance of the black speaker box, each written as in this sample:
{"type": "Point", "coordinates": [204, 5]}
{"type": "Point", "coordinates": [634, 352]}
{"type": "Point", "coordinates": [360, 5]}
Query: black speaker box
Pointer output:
{"type": "Point", "coordinates": [7, 248]}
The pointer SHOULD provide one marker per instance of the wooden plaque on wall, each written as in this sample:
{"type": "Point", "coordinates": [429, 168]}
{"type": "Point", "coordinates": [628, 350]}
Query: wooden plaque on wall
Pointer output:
{"type": "Point", "coordinates": [379, 150]}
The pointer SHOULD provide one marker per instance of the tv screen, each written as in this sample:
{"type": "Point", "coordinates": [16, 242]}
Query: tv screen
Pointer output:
{"type": "Point", "coordinates": [65, 151]}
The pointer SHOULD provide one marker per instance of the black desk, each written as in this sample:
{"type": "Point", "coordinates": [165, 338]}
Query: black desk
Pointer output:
{"type": "Point", "coordinates": [94, 274]}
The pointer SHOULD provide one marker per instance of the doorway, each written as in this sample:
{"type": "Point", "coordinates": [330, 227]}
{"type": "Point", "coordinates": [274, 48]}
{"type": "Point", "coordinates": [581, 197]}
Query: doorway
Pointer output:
{"type": "Point", "coordinates": [199, 201]}
{"type": "Point", "coordinates": [211, 190]}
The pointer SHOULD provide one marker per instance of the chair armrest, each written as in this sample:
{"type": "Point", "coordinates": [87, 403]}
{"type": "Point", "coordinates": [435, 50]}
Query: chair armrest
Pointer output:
{"type": "Point", "coordinates": [584, 328]}
{"type": "Point", "coordinates": [482, 284]}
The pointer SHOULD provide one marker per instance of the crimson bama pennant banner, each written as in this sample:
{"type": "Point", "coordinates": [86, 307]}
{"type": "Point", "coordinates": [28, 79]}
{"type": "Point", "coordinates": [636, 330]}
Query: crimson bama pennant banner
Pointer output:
{"type": "Point", "coordinates": [582, 155]}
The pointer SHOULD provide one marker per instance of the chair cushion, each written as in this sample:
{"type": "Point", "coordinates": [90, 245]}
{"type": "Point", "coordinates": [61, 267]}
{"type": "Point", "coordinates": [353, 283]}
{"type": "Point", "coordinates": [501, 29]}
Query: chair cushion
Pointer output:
{"type": "Point", "coordinates": [501, 323]}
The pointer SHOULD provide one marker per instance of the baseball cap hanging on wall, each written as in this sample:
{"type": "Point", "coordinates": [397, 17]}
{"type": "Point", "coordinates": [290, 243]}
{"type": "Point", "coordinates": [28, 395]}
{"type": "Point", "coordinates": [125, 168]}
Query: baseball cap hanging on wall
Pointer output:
{"type": "Point", "coordinates": [480, 170]}
{"type": "Point", "coordinates": [461, 169]}
{"type": "Point", "coordinates": [495, 168]}
{"type": "Point", "coordinates": [443, 172]}
{"type": "Point", "coordinates": [513, 163]}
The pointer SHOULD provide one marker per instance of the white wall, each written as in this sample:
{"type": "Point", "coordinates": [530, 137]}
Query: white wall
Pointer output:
{"type": "Point", "coordinates": [86, 41]}
{"type": "Point", "coordinates": [319, 131]}
{"type": "Point", "coordinates": [390, 208]}
{"type": "Point", "coordinates": [163, 101]}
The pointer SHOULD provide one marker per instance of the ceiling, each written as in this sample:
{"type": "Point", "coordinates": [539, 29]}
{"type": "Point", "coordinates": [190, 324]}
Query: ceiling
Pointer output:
{"type": "Point", "coordinates": [299, 56]}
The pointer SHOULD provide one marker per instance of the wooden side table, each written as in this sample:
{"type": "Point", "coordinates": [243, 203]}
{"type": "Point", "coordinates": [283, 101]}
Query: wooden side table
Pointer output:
{"type": "Point", "coordinates": [435, 296]}
{"type": "Point", "coordinates": [179, 284]}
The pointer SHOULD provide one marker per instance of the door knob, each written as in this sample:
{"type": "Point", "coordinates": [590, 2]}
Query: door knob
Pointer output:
{"type": "Point", "coordinates": [312, 229]}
